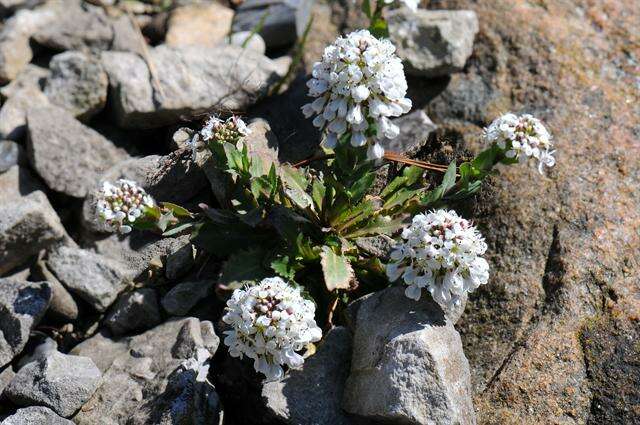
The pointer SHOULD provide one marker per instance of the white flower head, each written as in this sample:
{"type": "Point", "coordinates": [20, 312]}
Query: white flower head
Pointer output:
{"type": "Point", "coordinates": [441, 252]}
{"type": "Point", "coordinates": [270, 322]}
{"type": "Point", "coordinates": [522, 137]}
{"type": "Point", "coordinates": [358, 85]}
{"type": "Point", "coordinates": [411, 4]}
{"type": "Point", "coordinates": [217, 130]}
{"type": "Point", "coordinates": [119, 205]}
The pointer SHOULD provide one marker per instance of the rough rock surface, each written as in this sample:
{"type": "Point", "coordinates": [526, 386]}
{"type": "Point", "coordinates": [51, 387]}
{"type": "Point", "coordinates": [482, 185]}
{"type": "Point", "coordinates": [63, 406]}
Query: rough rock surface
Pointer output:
{"type": "Point", "coordinates": [58, 381]}
{"type": "Point", "coordinates": [31, 76]}
{"type": "Point", "coordinates": [62, 305]}
{"type": "Point", "coordinates": [202, 24]}
{"type": "Point", "coordinates": [135, 311]}
{"type": "Point", "coordinates": [255, 43]}
{"type": "Point", "coordinates": [17, 182]}
{"type": "Point", "coordinates": [22, 305]}
{"type": "Point", "coordinates": [11, 154]}
{"type": "Point", "coordinates": [95, 278]}
{"type": "Point", "coordinates": [407, 364]}
{"type": "Point", "coordinates": [184, 296]}
{"type": "Point", "coordinates": [65, 153]}
{"type": "Point", "coordinates": [35, 415]}
{"type": "Point", "coordinates": [190, 80]}
{"type": "Point", "coordinates": [415, 129]}
{"type": "Point", "coordinates": [13, 115]}
{"type": "Point", "coordinates": [77, 83]}
{"type": "Point", "coordinates": [27, 225]}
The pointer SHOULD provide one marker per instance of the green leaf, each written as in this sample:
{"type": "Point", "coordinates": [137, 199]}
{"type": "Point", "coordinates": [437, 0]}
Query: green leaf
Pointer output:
{"type": "Point", "coordinates": [337, 271]}
{"type": "Point", "coordinates": [283, 267]}
{"type": "Point", "coordinates": [381, 225]}
{"type": "Point", "coordinates": [224, 240]}
{"type": "Point", "coordinates": [361, 186]}
{"type": "Point", "coordinates": [260, 186]}
{"type": "Point", "coordinates": [486, 159]}
{"type": "Point", "coordinates": [318, 192]}
{"type": "Point", "coordinates": [363, 211]}
{"type": "Point", "coordinates": [178, 229]}
{"type": "Point", "coordinates": [449, 179]}
{"type": "Point", "coordinates": [295, 186]}
{"type": "Point", "coordinates": [177, 210]}
{"type": "Point", "coordinates": [234, 157]}
{"type": "Point", "coordinates": [379, 28]}
{"type": "Point", "coordinates": [242, 268]}
{"type": "Point", "coordinates": [366, 8]}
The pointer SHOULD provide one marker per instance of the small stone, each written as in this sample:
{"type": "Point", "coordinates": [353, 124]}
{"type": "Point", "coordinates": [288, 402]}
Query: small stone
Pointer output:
{"type": "Point", "coordinates": [6, 375]}
{"type": "Point", "coordinates": [35, 415]}
{"type": "Point", "coordinates": [38, 347]}
{"type": "Point", "coordinates": [407, 364]}
{"type": "Point", "coordinates": [32, 77]}
{"type": "Point", "coordinates": [210, 339]}
{"type": "Point", "coordinates": [415, 129]}
{"type": "Point", "coordinates": [22, 305]}
{"type": "Point", "coordinates": [376, 246]}
{"type": "Point", "coordinates": [255, 43]}
{"type": "Point", "coordinates": [433, 42]}
{"type": "Point", "coordinates": [62, 306]}
{"type": "Point", "coordinates": [13, 115]}
{"type": "Point", "coordinates": [180, 262]}
{"type": "Point", "coordinates": [95, 278]}
{"type": "Point", "coordinates": [59, 381]}
{"type": "Point", "coordinates": [285, 20]}
{"type": "Point", "coordinates": [27, 225]}
{"type": "Point", "coordinates": [202, 24]}
{"type": "Point", "coordinates": [188, 340]}
{"type": "Point", "coordinates": [184, 296]}
{"type": "Point", "coordinates": [313, 394]}
{"type": "Point", "coordinates": [135, 311]}
{"type": "Point", "coordinates": [69, 156]}
{"type": "Point", "coordinates": [11, 154]}
{"type": "Point", "coordinates": [77, 83]}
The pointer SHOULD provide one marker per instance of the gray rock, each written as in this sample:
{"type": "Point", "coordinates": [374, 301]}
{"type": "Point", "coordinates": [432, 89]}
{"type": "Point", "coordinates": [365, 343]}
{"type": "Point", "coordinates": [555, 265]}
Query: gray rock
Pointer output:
{"type": "Point", "coordinates": [27, 225]}
{"type": "Point", "coordinates": [10, 6]}
{"type": "Point", "coordinates": [433, 42]}
{"type": "Point", "coordinates": [22, 305]}
{"type": "Point", "coordinates": [31, 76]}
{"type": "Point", "coordinates": [255, 43]}
{"type": "Point", "coordinates": [17, 182]}
{"type": "Point", "coordinates": [415, 129]}
{"type": "Point", "coordinates": [35, 415]}
{"type": "Point", "coordinates": [180, 262]}
{"type": "Point", "coordinates": [135, 311]}
{"type": "Point", "coordinates": [376, 246]}
{"type": "Point", "coordinates": [139, 379]}
{"type": "Point", "coordinates": [62, 306]}
{"type": "Point", "coordinates": [41, 347]}
{"type": "Point", "coordinates": [184, 296]}
{"type": "Point", "coordinates": [212, 82]}
{"type": "Point", "coordinates": [312, 395]}
{"type": "Point", "coordinates": [15, 51]}
{"type": "Point", "coordinates": [11, 154]}
{"type": "Point", "coordinates": [407, 364]}
{"type": "Point", "coordinates": [69, 156]}
{"type": "Point", "coordinates": [77, 83]}
{"type": "Point", "coordinates": [95, 278]}
{"type": "Point", "coordinates": [13, 115]}
{"type": "Point", "coordinates": [59, 381]}
{"type": "Point", "coordinates": [201, 24]}
{"type": "Point", "coordinates": [126, 37]}
{"type": "Point", "coordinates": [6, 375]}
{"type": "Point", "coordinates": [285, 22]}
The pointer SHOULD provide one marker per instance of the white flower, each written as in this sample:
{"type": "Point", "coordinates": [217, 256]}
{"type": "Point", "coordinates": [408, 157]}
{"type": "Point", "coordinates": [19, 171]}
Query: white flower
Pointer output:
{"type": "Point", "coordinates": [440, 252]}
{"type": "Point", "coordinates": [411, 4]}
{"type": "Point", "coordinates": [358, 85]}
{"type": "Point", "coordinates": [522, 137]}
{"type": "Point", "coordinates": [270, 322]}
{"type": "Point", "coordinates": [119, 205]}
{"type": "Point", "coordinates": [218, 131]}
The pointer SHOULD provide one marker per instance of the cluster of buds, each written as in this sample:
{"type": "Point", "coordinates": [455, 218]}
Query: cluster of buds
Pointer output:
{"type": "Point", "coordinates": [440, 252]}
{"type": "Point", "coordinates": [522, 137]}
{"type": "Point", "coordinates": [270, 322]}
{"type": "Point", "coordinates": [358, 85]}
{"type": "Point", "coordinates": [119, 205]}
{"type": "Point", "coordinates": [216, 130]}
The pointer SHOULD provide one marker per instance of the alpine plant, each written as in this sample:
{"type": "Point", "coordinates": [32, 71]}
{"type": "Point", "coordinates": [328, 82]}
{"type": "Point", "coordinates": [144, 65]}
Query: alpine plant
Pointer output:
{"type": "Point", "coordinates": [217, 130]}
{"type": "Point", "coordinates": [119, 205]}
{"type": "Point", "coordinates": [358, 85]}
{"type": "Point", "coordinates": [440, 252]}
{"type": "Point", "coordinates": [270, 322]}
{"type": "Point", "coordinates": [522, 137]}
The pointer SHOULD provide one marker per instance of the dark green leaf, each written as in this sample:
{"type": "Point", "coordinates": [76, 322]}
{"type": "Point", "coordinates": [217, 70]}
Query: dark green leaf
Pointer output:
{"type": "Point", "coordinates": [337, 271]}
{"type": "Point", "coordinates": [242, 268]}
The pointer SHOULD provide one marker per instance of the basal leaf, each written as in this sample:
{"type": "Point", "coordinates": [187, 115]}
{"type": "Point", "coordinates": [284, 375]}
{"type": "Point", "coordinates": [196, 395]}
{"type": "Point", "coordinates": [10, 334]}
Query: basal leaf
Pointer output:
{"type": "Point", "coordinates": [242, 268]}
{"type": "Point", "coordinates": [337, 271]}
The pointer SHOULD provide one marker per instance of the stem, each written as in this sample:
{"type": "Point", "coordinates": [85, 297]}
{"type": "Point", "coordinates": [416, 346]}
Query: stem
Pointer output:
{"type": "Point", "coordinates": [313, 159]}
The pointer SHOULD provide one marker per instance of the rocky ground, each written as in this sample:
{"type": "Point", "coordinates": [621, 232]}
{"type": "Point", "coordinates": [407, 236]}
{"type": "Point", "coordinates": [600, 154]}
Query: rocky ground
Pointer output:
{"type": "Point", "coordinates": [103, 329]}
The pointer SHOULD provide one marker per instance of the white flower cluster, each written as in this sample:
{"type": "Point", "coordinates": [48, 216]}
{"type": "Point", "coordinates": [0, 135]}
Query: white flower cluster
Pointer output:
{"type": "Point", "coordinates": [217, 130]}
{"type": "Point", "coordinates": [358, 85]}
{"type": "Point", "coordinates": [522, 137]}
{"type": "Point", "coordinates": [411, 4]}
{"type": "Point", "coordinates": [119, 205]}
{"type": "Point", "coordinates": [270, 322]}
{"type": "Point", "coordinates": [441, 252]}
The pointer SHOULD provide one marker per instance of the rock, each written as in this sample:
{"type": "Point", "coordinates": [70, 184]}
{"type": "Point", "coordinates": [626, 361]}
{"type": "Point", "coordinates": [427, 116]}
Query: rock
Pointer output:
{"type": "Point", "coordinates": [77, 83]}
{"type": "Point", "coordinates": [184, 296]}
{"type": "Point", "coordinates": [62, 306]}
{"type": "Point", "coordinates": [407, 364]}
{"type": "Point", "coordinates": [15, 51]}
{"type": "Point", "coordinates": [126, 37]}
{"type": "Point", "coordinates": [284, 23]}
{"type": "Point", "coordinates": [27, 225]}
{"type": "Point", "coordinates": [102, 349]}
{"type": "Point", "coordinates": [38, 347]}
{"type": "Point", "coordinates": [415, 129]}
{"type": "Point", "coordinates": [433, 42]}
{"type": "Point", "coordinates": [66, 154]}
{"type": "Point", "coordinates": [376, 246]}
{"type": "Point", "coordinates": [95, 278]}
{"type": "Point", "coordinates": [192, 336]}
{"type": "Point", "coordinates": [135, 311]}
{"type": "Point", "coordinates": [212, 84]}
{"type": "Point", "coordinates": [11, 154]}
{"type": "Point", "coordinates": [180, 262]}
{"type": "Point", "coordinates": [17, 182]}
{"type": "Point", "coordinates": [171, 178]}
{"type": "Point", "coordinates": [22, 305]}
{"type": "Point", "coordinates": [59, 381]}
{"type": "Point", "coordinates": [31, 76]}
{"type": "Point", "coordinates": [141, 374]}
{"type": "Point", "coordinates": [35, 415]}
{"type": "Point", "coordinates": [312, 395]}
{"type": "Point", "coordinates": [255, 43]}
{"type": "Point", "coordinates": [201, 24]}
{"type": "Point", "coordinates": [8, 7]}
{"type": "Point", "coordinates": [13, 115]}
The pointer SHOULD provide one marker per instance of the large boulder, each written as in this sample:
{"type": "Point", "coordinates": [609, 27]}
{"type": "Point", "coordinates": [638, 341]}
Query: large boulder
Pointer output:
{"type": "Point", "coordinates": [407, 364]}
{"type": "Point", "coordinates": [186, 80]}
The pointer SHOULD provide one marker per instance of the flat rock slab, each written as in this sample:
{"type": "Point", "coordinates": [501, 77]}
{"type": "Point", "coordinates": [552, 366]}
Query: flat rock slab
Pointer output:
{"type": "Point", "coordinates": [191, 80]}
{"type": "Point", "coordinates": [58, 381]}
{"type": "Point", "coordinates": [22, 305]}
{"type": "Point", "coordinates": [35, 415]}
{"type": "Point", "coordinates": [66, 154]}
